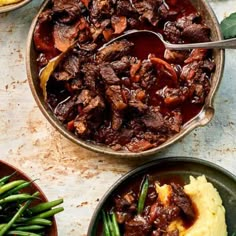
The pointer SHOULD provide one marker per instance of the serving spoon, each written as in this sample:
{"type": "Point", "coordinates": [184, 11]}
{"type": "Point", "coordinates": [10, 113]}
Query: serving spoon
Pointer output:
{"type": "Point", "coordinates": [228, 43]}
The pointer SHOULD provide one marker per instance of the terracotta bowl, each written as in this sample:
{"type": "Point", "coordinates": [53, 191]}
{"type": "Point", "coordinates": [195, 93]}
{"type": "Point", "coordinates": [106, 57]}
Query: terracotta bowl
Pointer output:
{"type": "Point", "coordinates": [14, 6]}
{"type": "Point", "coordinates": [201, 119]}
{"type": "Point", "coordinates": [174, 169]}
{"type": "Point", "coordinates": [7, 169]}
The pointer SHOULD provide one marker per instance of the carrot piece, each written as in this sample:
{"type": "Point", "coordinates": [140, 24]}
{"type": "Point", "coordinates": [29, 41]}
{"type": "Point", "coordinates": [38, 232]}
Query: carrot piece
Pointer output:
{"type": "Point", "coordinates": [86, 3]}
{"type": "Point", "coordinates": [161, 63]}
{"type": "Point", "coordinates": [119, 24]}
{"type": "Point", "coordinates": [134, 68]}
{"type": "Point", "coordinates": [107, 34]}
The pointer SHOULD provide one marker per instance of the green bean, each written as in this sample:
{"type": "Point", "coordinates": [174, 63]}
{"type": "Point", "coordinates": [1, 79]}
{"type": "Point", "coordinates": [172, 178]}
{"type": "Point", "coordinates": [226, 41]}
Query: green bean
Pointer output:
{"type": "Point", "coordinates": [111, 228]}
{"type": "Point", "coordinates": [115, 225]}
{"type": "Point", "coordinates": [143, 195]}
{"type": "Point", "coordinates": [17, 215]}
{"type": "Point", "coordinates": [16, 189]}
{"type": "Point", "coordinates": [105, 224]}
{"type": "Point", "coordinates": [2, 225]}
{"type": "Point", "coordinates": [4, 179]}
{"type": "Point", "coordinates": [38, 221]}
{"type": "Point", "coordinates": [49, 213]}
{"type": "Point", "coordinates": [22, 233]}
{"type": "Point", "coordinates": [29, 227]}
{"type": "Point", "coordinates": [8, 186]}
{"type": "Point", "coordinates": [16, 197]}
{"type": "Point", "coordinates": [45, 206]}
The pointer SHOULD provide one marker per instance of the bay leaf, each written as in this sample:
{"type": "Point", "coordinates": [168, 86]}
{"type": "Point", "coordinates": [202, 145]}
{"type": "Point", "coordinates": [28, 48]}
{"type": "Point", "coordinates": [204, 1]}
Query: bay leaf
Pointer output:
{"type": "Point", "coordinates": [228, 26]}
{"type": "Point", "coordinates": [46, 72]}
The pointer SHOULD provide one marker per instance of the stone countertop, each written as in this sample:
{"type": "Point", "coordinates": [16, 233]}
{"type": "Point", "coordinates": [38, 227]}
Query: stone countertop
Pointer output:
{"type": "Point", "coordinates": [65, 170]}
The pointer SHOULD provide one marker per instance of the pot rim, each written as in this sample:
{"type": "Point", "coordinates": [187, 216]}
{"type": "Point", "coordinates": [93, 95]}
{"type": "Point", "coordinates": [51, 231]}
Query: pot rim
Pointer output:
{"type": "Point", "coordinates": [199, 120]}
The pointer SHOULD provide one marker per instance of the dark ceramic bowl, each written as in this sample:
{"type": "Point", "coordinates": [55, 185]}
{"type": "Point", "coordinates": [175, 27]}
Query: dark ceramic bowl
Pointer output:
{"type": "Point", "coordinates": [176, 169]}
{"type": "Point", "coordinates": [201, 119]}
{"type": "Point", "coordinates": [7, 169]}
{"type": "Point", "coordinates": [14, 6]}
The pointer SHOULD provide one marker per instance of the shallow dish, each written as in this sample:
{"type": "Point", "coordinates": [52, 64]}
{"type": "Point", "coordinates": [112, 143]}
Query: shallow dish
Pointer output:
{"type": "Point", "coordinates": [14, 6]}
{"type": "Point", "coordinates": [7, 169]}
{"type": "Point", "coordinates": [177, 168]}
{"type": "Point", "coordinates": [201, 119]}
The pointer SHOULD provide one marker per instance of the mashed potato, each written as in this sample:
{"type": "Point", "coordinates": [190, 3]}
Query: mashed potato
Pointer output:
{"type": "Point", "coordinates": [211, 213]}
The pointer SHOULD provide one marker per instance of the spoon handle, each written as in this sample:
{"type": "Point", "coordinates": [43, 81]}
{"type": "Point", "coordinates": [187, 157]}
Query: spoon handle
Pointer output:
{"type": "Point", "coordinates": [228, 43]}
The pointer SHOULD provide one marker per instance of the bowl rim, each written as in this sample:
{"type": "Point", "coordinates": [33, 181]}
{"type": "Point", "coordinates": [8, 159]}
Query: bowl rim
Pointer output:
{"type": "Point", "coordinates": [19, 172]}
{"type": "Point", "coordinates": [145, 166]}
{"type": "Point", "coordinates": [13, 6]}
{"type": "Point", "coordinates": [103, 149]}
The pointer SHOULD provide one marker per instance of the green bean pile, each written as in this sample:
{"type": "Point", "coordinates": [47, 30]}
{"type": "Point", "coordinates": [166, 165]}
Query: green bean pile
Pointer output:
{"type": "Point", "coordinates": [20, 214]}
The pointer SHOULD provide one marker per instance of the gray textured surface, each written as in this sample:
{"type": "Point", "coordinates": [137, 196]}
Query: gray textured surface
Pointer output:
{"type": "Point", "coordinates": [65, 170]}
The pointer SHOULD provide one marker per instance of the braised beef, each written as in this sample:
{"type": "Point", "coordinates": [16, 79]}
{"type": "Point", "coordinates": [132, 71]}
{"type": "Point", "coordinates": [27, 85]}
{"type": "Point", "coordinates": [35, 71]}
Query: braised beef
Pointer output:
{"type": "Point", "coordinates": [109, 75]}
{"type": "Point", "coordinates": [65, 110]}
{"type": "Point", "coordinates": [125, 8]}
{"type": "Point", "coordinates": [114, 51]}
{"type": "Point", "coordinates": [153, 120]}
{"type": "Point", "coordinates": [137, 227]}
{"type": "Point", "coordinates": [113, 94]}
{"type": "Point", "coordinates": [181, 199]}
{"type": "Point", "coordinates": [132, 94]}
{"type": "Point", "coordinates": [67, 10]}
{"type": "Point", "coordinates": [149, 9]}
{"type": "Point", "coordinates": [157, 214]}
{"type": "Point", "coordinates": [196, 33]}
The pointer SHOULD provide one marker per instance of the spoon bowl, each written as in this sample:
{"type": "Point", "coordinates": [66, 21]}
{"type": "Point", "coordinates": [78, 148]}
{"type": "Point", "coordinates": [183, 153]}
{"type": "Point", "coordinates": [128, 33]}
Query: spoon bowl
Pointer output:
{"type": "Point", "coordinates": [229, 43]}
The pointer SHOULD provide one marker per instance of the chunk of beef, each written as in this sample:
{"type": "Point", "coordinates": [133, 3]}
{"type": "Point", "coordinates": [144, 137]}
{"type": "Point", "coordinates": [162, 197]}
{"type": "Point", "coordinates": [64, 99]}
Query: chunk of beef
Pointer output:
{"type": "Point", "coordinates": [116, 120]}
{"type": "Point", "coordinates": [65, 110]}
{"type": "Point", "coordinates": [101, 8]}
{"type": "Point", "coordinates": [137, 104]}
{"type": "Point", "coordinates": [85, 97]}
{"type": "Point", "coordinates": [114, 95]}
{"type": "Point", "coordinates": [161, 215]}
{"type": "Point", "coordinates": [153, 120]}
{"type": "Point", "coordinates": [114, 51]}
{"type": "Point", "coordinates": [181, 199]}
{"type": "Point", "coordinates": [121, 66]}
{"type": "Point", "coordinates": [67, 10]}
{"type": "Point", "coordinates": [188, 20]}
{"type": "Point", "coordinates": [149, 9]}
{"type": "Point", "coordinates": [189, 71]}
{"type": "Point", "coordinates": [108, 75]}
{"type": "Point", "coordinates": [196, 33]}
{"type": "Point", "coordinates": [96, 103]}
{"type": "Point", "coordinates": [137, 227]}
{"type": "Point", "coordinates": [172, 33]}
{"type": "Point", "coordinates": [81, 125]}
{"type": "Point", "coordinates": [91, 73]}
{"type": "Point", "coordinates": [125, 8]}
{"type": "Point", "coordinates": [97, 29]}
{"type": "Point", "coordinates": [174, 122]}
{"type": "Point", "coordinates": [68, 68]}
{"type": "Point", "coordinates": [123, 203]}
{"type": "Point", "coordinates": [90, 116]}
